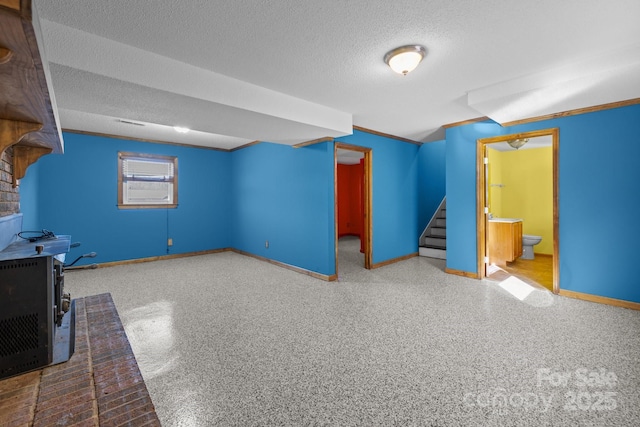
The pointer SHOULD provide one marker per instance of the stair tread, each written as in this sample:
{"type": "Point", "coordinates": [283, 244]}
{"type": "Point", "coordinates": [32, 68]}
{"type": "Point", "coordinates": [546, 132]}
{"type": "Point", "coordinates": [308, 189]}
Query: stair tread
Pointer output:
{"type": "Point", "coordinates": [433, 253]}
{"type": "Point", "coordinates": [435, 236]}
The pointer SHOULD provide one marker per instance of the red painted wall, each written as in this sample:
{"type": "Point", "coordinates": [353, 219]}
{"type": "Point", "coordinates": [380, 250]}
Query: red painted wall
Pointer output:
{"type": "Point", "coordinates": [350, 208]}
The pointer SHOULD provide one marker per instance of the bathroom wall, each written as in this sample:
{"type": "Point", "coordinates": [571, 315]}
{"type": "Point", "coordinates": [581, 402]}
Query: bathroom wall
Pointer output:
{"type": "Point", "coordinates": [526, 176]}
{"type": "Point", "coordinates": [495, 181]}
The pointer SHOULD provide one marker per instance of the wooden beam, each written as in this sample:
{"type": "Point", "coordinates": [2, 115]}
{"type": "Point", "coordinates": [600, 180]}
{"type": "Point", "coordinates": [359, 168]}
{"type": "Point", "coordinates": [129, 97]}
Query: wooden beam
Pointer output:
{"type": "Point", "coordinates": [5, 55]}
{"type": "Point", "coordinates": [23, 157]}
{"type": "Point", "coordinates": [12, 131]}
{"type": "Point", "coordinates": [11, 4]}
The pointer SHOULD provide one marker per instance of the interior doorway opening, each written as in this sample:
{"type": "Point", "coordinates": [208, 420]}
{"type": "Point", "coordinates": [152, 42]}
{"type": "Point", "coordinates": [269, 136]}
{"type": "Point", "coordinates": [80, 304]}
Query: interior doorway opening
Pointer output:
{"type": "Point", "coordinates": [352, 203]}
{"type": "Point", "coordinates": [500, 231]}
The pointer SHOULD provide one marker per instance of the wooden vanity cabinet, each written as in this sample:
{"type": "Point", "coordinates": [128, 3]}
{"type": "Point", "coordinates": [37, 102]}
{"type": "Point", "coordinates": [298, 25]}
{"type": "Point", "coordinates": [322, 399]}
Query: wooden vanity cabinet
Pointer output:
{"type": "Point", "coordinates": [505, 241]}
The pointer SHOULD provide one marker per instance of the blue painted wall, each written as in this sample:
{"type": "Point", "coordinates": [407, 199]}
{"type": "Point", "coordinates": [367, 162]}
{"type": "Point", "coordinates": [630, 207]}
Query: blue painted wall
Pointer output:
{"type": "Point", "coordinates": [431, 181]}
{"type": "Point", "coordinates": [241, 199]}
{"type": "Point", "coordinates": [599, 199]}
{"type": "Point", "coordinates": [272, 192]}
{"type": "Point", "coordinates": [284, 195]}
{"type": "Point", "coordinates": [395, 185]}
{"type": "Point", "coordinates": [76, 194]}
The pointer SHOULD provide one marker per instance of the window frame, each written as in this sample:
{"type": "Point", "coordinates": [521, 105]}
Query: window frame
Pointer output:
{"type": "Point", "coordinates": [122, 180]}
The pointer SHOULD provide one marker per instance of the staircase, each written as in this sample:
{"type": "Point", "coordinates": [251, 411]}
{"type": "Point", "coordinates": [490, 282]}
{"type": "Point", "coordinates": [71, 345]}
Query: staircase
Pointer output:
{"type": "Point", "coordinates": [433, 241]}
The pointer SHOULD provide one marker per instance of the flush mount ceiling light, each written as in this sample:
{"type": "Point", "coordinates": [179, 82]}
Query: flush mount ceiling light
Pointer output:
{"type": "Point", "coordinates": [405, 59]}
{"type": "Point", "coordinates": [181, 129]}
{"type": "Point", "coordinates": [517, 143]}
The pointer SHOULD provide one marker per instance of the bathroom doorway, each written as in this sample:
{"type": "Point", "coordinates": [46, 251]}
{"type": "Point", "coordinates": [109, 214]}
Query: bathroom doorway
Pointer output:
{"type": "Point", "coordinates": [543, 269]}
{"type": "Point", "coordinates": [345, 155]}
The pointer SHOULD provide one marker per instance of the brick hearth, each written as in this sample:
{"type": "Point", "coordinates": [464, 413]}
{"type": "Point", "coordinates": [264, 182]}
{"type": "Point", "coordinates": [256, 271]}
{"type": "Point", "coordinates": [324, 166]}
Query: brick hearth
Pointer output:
{"type": "Point", "coordinates": [100, 385]}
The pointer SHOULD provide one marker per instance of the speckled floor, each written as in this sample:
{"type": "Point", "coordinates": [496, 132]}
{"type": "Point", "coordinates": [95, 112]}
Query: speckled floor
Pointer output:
{"type": "Point", "coordinates": [228, 340]}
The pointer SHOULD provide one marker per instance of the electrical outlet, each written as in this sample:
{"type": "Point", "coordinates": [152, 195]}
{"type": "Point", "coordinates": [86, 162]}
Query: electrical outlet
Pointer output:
{"type": "Point", "coordinates": [169, 242]}
{"type": "Point", "coordinates": [266, 244]}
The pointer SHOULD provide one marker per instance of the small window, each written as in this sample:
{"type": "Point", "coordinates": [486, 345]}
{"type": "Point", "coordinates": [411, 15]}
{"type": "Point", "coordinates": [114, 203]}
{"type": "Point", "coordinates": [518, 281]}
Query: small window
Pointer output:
{"type": "Point", "coordinates": [147, 181]}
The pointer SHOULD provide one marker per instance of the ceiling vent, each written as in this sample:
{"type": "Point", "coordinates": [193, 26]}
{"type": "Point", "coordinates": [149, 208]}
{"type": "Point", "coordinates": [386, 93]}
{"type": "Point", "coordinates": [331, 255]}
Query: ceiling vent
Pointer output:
{"type": "Point", "coordinates": [127, 122]}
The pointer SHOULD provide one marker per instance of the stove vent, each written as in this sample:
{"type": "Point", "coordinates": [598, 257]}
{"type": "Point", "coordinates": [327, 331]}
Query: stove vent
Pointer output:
{"type": "Point", "coordinates": [18, 334]}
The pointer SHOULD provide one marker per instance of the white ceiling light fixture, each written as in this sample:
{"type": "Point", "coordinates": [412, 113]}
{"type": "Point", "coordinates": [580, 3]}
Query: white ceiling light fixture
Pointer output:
{"type": "Point", "coordinates": [181, 129]}
{"type": "Point", "coordinates": [405, 59]}
{"type": "Point", "coordinates": [517, 143]}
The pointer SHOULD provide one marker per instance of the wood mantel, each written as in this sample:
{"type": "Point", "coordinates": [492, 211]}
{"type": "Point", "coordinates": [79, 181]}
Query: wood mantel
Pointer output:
{"type": "Point", "coordinates": [28, 117]}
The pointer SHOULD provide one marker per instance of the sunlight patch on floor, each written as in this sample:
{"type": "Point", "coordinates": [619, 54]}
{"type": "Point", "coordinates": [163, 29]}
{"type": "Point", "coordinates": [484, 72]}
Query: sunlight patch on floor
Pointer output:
{"type": "Point", "coordinates": [516, 287]}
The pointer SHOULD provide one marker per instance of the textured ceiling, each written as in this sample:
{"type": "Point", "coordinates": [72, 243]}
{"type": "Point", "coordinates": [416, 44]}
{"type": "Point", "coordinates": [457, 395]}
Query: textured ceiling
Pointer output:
{"type": "Point", "coordinates": [290, 71]}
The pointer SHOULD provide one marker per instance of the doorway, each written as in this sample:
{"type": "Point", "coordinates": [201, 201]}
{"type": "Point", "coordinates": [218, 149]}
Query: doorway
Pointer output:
{"type": "Point", "coordinates": [485, 268]}
{"type": "Point", "coordinates": [363, 156]}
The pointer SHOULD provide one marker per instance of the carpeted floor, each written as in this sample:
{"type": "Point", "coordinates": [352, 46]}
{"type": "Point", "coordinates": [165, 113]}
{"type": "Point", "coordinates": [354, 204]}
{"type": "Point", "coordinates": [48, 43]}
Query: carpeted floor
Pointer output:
{"type": "Point", "coordinates": [228, 340]}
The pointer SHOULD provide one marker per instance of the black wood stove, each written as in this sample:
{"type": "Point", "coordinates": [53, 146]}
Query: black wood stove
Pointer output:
{"type": "Point", "coordinates": [37, 318]}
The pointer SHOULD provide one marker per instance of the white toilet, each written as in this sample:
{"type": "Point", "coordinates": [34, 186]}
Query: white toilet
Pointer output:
{"type": "Point", "coordinates": [528, 241]}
